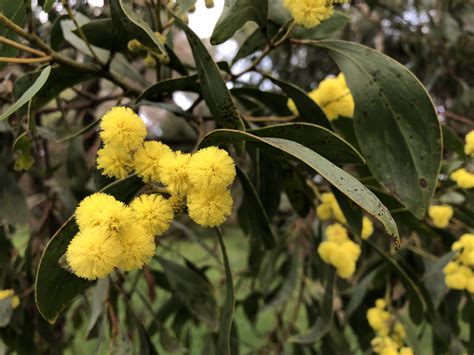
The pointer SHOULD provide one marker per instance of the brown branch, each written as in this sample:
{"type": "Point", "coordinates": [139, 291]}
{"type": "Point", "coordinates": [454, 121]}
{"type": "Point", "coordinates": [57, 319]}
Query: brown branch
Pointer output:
{"type": "Point", "coordinates": [26, 60]}
{"type": "Point", "coordinates": [459, 118]}
{"type": "Point", "coordinates": [21, 46]}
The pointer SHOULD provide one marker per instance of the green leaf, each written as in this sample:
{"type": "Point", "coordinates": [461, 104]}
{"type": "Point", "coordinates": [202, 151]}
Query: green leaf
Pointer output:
{"type": "Point", "coordinates": [28, 94]}
{"type": "Point", "coordinates": [48, 4]}
{"type": "Point", "coordinates": [324, 321]}
{"type": "Point", "coordinates": [256, 41]}
{"type": "Point", "coordinates": [15, 11]}
{"type": "Point", "coordinates": [13, 208]}
{"type": "Point", "coordinates": [235, 14]}
{"type": "Point", "coordinates": [259, 224]}
{"type": "Point", "coordinates": [351, 211]}
{"type": "Point", "coordinates": [156, 91]}
{"type": "Point", "coordinates": [272, 101]}
{"type": "Point", "coordinates": [22, 147]}
{"type": "Point", "coordinates": [126, 23]}
{"type": "Point", "coordinates": [316, 138]}
{"type": "Point", "coordinates": [193, 290]}
{"type": "Point", "coordinates": [359, 291]}
{"type": "Point", "coordinates": [294, 183]}
{"type": "Point", "coordinates": [308, 110]}
{"type": "Point", "coordinates": [395, 122]}
{"type": "Point", "coordinates": [325, 28]}
{"type": "Point", "coordinates": [214, 89]}
{"type": "Point", "coordinates": [227, 316]}
{"type": "Point", "coordinates": [55, 288]}
{"type": "Point", "coordinates": [451, 142]}
{"type": "Point", "coordinates": [343, 181]}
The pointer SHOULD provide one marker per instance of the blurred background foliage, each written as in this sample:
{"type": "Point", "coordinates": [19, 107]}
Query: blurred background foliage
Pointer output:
{"type": "Point", "coordinates": [45, 173]}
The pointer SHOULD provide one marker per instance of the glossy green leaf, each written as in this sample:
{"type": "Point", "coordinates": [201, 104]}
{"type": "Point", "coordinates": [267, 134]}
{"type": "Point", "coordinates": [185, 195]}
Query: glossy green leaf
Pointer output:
{"type": "Point", "coordinates": [28, 94]}
{"type": "Point", "coordinates": [214, 89]}
{"type": "Point", "coordinates": [156, 91]}
{"type": "Point", "coordinates": [343, 181]}
{"type": "Point", "coordinates": [264, 100]}
{"type": "Point", "coordinates": [317, 138]}
{"type": "Point", "coordinates": [15, 11]}
{"type": "Point", "coordinates": [260, 226]}
{"type": "Point", "coordinates": [324, 321]}
{"type": "Point", "coordinates": [55, 288]}
{"type": "Point", "coordinates": [194, 291]}
{"type": "Point", "coordinates": [395, 122]}
{"type": "Point", "coordinates": [237, 13]}
{"type": "Point", "coordinates": [308, 110]}
{"type": "Point", "coordinates": [351, 211]}
{"type": "Point", "coordinates": [451, 142]}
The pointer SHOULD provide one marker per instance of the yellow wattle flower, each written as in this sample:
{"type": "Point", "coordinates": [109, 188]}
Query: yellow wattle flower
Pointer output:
{"type": "Point", "coordinates": [329, 208]}
{"type": "Point", "coordinates": [114, 162]}
{"type": "Point", "coordinates": [209, 208]}
{"type": "Point", "coordinates": [406, 351]}
{"type": "Point", "coordinates": [122, 128]}
{"type": "Point", "coordinates": [153, 212]}
{"type": "Point", "coordinates": [367, 228]}
{"type": "Point", "coordinates": [336, 233]}
{"type": "Point", "coordinates": [102, 210]}
{"type": "Point", "coordinates": [15, 300]}
{"type": "Point", "coordinates": [441, 215]}
{"type": "Point", "coordinates": [469, 146]}
{"type": "Point", "coordinates": [138, 247]}
{"type": "Point", "coordinates": [147, 158]}
{"type": "Point", "coordinates": [310, 13]}
{"type": "Point", "coordinates": [173, 172]}
{"type": "Point", "coordinates": [463, 178]}
{"type": "Point", "coordinates": [334, 97]}
{"type": "Point", "coordinates": [93, 253]}
{"type": "Point", "coordinates": [211, 169]}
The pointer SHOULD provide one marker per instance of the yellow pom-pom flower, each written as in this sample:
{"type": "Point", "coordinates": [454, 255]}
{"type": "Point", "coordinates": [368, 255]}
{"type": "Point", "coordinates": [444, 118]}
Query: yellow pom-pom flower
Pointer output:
{"type": "Point", "coordinates": [336, 233]}
{"type": "Point", "coordinates": [93, 253]}
{"type": "Point", "coordinates": [102, 210]}
{"type": "Point", "coordinates": [463, 178]}
{"type": "Point", "coordinates": [334, 97]}
{"type": "Point", "coordinates": [173, 171]}
{"type": "Point", "coordinates": [325, 250]}
{"type": "Point", "coordinates": [367, 228]}
{"type": "Point", "coordinates": [458, 280]}
{"type": "Point", "coordinates": [329, 208]}
{"type": "Point", "coordinates": [379, 320]}
{"type": "Point", "coordinates": [122, 128]}
{"type": "Point", "coordinates": [153, 212]}
{"type": "Point", "coordinates": [441, 215]}
{"type": "Point", "coordinates": [211, 169]}
{"type": "Point", "coordinates": [146, 160]}
{"type": "Point", "coordinates": [310, 13]}
{"type": "Point", "coordinates": [138, 247]}
{"type": "Point", "coordinates": [209, 208]}
{"type": "Point", "coordinates": [406, 351]}
{"type": "Point", "coordinates": [9, 293]}
{"type": "Point", "coordinates": [469, 146]}
{"type": "Point", "coordinates": [114, 162]}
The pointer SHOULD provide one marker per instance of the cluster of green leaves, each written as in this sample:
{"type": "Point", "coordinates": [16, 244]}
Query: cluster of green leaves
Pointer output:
{"type": "Point", "coordinates": [383, 162]}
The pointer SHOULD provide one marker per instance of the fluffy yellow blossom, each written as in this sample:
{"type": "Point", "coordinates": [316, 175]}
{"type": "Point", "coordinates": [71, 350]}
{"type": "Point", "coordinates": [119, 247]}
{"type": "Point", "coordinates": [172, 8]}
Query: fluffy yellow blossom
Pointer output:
{"type": "Point", "coordinates": [102, 210]}
{"type": "Point", "coordinates": [379, 319]}
{"type": "Point", "coordinates": [384, 345]}
{"type": "Point", "coordinates": [173, 171]}
{"type": "Point", "coordinates": [211, 169]}
{"type": "Point", "coordinates": [310, 13]}
{"type": "Point", "coordinates": [451, 267]}
{"type": "Point", "coordinates": [334, 97]}
{"type": "Point", "coordinates": [441, 215]}
{"type": "Point", "coordinates": [347, 269]}
{"type": "Point", "coordinates": [138, 247]}
{"type": "Point", "coordinates": [469, 146]}
{"type": "Point", "coordinates": [324, 212]}
{"type": "Point", "coordinates": [209, 208]}
{"type": "Point", "coordinates": [114, 162]}
{"type": "Point", "coordinates": [146, 160]}
{"type": "Point", "coordinates": [367, 228]}
{"type": "Point", "coordinates": [325, 250]}
{"type": "Point", "coordinates": [406, 351]}
{"type": "Point", "coordinates": [122, 128]}
{"type": "Point", "coordinates": [153, 212]}
{"type": "Point", "coordinates": [329, 208]}
{"type": "Point", "coordinates": [463, 178]}
{"type": "Point", "coordinates": [458, 280]}
{"type": "Point", "coordinates": [336, 233]}
{"type": "Point", "coordinates": [470, 285]}
{"type": "Point", "coordinates": [93, 253]}
{"type": "Point", "coordinates": [15, 300]}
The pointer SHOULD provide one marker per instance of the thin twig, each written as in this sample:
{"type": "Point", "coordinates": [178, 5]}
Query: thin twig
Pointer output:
{"type": "Point", "coordinates": [21, 46]}
{"type": "Point", "coordinates": [456, 117]}
{"type": "Point", "coordinates": [26, 60]}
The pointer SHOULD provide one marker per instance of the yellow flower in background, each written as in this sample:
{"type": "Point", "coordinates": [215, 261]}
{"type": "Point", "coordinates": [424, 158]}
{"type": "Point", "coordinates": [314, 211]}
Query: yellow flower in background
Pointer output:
{"type": "Point", "coordinates": [326, 249]}
{"type": "Point", "coordinates": [452, 267]}
{"type": "Point", "coordinates": [406, 351]}
{"type": "Point", "coordinates": [329, 208]}
{"type": "Point", "coordinates": [153, 212]}
{"type": "Point", "coordinates": [209, 208]}
{"type": "Point", "coordinates": [367, 228]}
{"type": "Point", "coordinates": [458, 273]}
{"type": "Point", "coordinates": [458, 280]}
{"type": "Point", "coordinates": [114, 162]}
{"type": "Point", "coordinates": [379, 320]}
{"type": "Point", "coordinates": [102, 210]}
{"type": "Point", "coordinates": [15, 300]}
{"type": "Point", "coordinates": [310, 13]}
{"type": "Point", "coordinates": [138, 247]}
{"type": "Point", "coordinates": [441, 215]}
{"type": "Point", "coordinates": [336, 233]}
{"type": "Point", "coordinates": [122, 128]}
{"type": "Point", "coordinates": [147, 158]}
{"type": "Point", "coordinates": [211, 169]}
{"type": "Point", "coordinates": [334, 97]}
{"type": "Point", "coordinates": [469, 146]}
{"type": "Point", "coordinates": [173, 172]}
{"type": "Point", "coordinates": [93, 253]}
{"type": "Point", "coordinates": [470, 284]}
{"type": "Point", "coordinates": [463, 178]}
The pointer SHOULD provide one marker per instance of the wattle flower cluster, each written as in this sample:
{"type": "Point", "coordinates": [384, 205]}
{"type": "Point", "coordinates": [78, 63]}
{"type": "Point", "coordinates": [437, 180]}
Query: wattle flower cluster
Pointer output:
{"type": "Point", "coordinates": [390, 333]}
{"type": "Point", "coordinates": [441, 215]}
{"type": "Point", "coordinates": [112, 234]}
{"type": "Point", "coordinates": [469, 146]}
{"type": "Point", "coordinates": [310, 13]}
{"type": "Point", "coordinates": [339, 251]}
{"type": "Point", "coordinates": [463, 178]}
{"type": "Point", "coordinates": [333, 97]}
{"type": "Point", "coordinates": [459, 274]}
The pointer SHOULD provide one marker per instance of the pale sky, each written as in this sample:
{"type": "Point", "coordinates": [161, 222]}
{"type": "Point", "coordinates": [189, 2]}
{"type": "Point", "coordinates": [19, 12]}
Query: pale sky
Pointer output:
{"type": "Point", "coordinates": [203, 20]}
